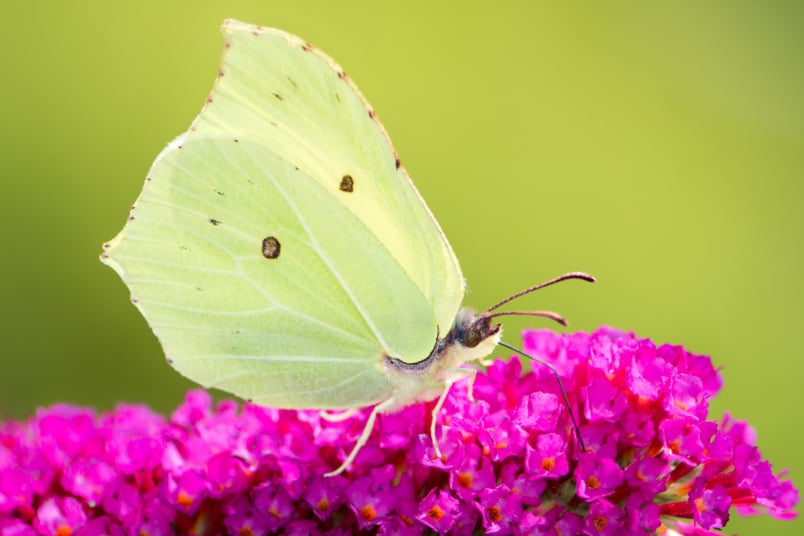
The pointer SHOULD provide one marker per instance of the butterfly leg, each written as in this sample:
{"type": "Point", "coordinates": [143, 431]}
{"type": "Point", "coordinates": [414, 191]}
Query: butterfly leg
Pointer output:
{"type": "Point", "coordinates": [339, 416]}
{"type": "Point", "coordinates": [364, 436]}
{"type": "Point", "coordinates": [456, 375]}
{"type": "Point", "coordinates": [470, 389]}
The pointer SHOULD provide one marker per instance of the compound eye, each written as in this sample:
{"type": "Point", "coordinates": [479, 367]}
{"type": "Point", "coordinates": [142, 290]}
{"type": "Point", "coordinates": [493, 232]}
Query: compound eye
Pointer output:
{"type": "Point", "coordinates": [472, 337]}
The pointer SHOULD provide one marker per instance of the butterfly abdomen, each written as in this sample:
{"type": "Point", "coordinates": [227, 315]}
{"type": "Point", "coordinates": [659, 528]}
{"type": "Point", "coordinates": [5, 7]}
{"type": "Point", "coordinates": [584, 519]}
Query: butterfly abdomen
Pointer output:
{"type": "Point", "coordinates": [470, 338]}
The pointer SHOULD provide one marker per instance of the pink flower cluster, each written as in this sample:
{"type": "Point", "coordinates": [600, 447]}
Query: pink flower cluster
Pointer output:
{"type": "Point", "coordinates": [510, 461]}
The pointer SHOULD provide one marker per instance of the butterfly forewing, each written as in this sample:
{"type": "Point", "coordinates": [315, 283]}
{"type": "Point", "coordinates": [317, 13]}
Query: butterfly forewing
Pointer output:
{"type": "Point", "coordinates": [301, 105]}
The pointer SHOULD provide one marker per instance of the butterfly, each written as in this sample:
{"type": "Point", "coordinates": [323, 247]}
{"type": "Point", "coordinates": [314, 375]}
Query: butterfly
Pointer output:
{"type": "Point", "coordinates": [279, 250]}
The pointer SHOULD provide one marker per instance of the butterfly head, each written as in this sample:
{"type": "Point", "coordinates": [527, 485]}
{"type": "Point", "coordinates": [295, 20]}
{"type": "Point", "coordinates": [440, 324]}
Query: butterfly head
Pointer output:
{"type": "Point", "coordinates": [476, 336]}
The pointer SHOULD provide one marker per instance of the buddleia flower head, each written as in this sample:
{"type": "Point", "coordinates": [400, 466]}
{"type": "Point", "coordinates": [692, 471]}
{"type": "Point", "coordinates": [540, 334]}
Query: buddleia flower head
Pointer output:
{"type": "Point", "coordinates": [510, 463]}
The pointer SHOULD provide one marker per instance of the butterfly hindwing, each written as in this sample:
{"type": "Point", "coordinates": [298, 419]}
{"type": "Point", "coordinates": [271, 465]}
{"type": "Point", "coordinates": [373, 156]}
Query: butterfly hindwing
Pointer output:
{"type": "Point", "coordinates": [278, 250]}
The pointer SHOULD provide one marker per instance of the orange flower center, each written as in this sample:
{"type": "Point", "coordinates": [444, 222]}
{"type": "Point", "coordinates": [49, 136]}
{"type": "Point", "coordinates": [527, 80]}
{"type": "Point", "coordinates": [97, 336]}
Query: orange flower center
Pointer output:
{"type": "Point", "coordinates": [600, 523]}
{"type": "Point", "coordinates": [494, 513]}
{"type": "Point", "coordinates": [368, 513]}
{"type": "Point", "coordinates": [184, 500]}
{"type": "Point", "coordinates": [465, 480]}
{"type": "Point", "coordinates": [435, 513]}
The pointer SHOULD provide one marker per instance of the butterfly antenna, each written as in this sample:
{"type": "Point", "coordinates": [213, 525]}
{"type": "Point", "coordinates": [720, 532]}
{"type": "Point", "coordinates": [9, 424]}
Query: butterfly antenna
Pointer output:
{"type": "Point", "coordinates": [560, 385]}
{"type": "Point", "coordinates": [570, 275]}
{"type": "Point", "coordinates": [544, 314]}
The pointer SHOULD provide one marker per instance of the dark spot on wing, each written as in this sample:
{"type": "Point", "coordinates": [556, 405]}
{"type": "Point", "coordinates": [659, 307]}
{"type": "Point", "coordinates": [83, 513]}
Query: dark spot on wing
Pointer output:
{"type": "Point", "coordinates": [209, 99]}
{"type": "Point", "coordinates": [342, 75]}
{"type": "Point", "coordinates": [278, 96]}
{"type": "Point", "coordinates": [337, 97]}
{"type": "Point", "coordinates": [372, 114]}
{"type": "Point", "coordinates": [219, 192]}
{"type": "Point", "coordinates": [347, 184]}
{"type": "Point", "coordinates": [236, 140]}
{"type": "Point", "coordinates": [307, 47]}
{"type": "Point", "coordinates": [293, 82]}
{"type": "Point", "coordinates": [272, 122]}
{"type": "Point", "coordinates": [397, 162]}
{"type": "Point", "coordinates": [213, 221]}
{"type": "Point", "coordinates": [270, 247]}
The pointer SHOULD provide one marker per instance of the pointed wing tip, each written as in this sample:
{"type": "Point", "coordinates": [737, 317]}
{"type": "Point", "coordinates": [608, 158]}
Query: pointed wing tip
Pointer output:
{"type": "Point", "coordinates": [232, 25]}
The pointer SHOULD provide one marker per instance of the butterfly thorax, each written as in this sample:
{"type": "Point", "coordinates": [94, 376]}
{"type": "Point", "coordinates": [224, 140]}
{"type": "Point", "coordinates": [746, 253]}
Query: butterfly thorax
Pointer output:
{"type": "Point", "coordinates": [470, 338]}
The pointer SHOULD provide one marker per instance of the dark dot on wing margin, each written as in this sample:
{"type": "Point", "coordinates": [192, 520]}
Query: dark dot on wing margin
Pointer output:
{"type": "Point", "coordinates": [270, 247]}
{"type": "Point", "coordinates": [213, 221]}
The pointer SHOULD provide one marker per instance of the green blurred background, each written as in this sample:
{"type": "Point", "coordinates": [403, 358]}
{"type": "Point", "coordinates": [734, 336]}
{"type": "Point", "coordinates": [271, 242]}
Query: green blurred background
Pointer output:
{"type": "Point", "coordinates": [658, 146]}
